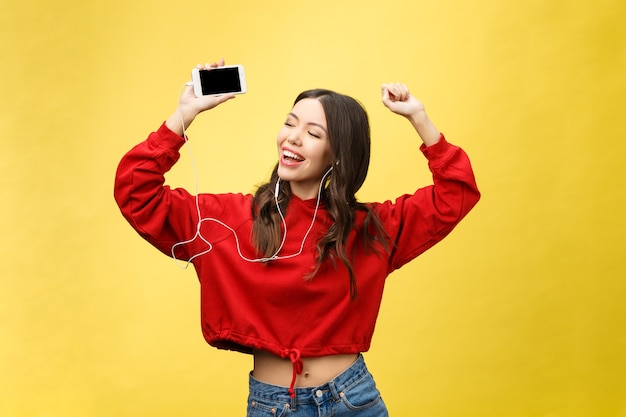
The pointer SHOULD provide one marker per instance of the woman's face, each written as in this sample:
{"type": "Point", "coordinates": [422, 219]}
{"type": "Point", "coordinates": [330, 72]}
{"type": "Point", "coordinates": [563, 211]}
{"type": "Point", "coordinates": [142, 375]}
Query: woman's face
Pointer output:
{"type": "Point", "coordinates": [304, 153]}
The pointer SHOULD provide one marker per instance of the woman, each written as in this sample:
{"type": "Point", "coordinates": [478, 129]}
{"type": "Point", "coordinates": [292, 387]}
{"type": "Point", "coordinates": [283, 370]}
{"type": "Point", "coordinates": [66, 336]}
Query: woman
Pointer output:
{"type": "Point", "coordinates": [294, 274]}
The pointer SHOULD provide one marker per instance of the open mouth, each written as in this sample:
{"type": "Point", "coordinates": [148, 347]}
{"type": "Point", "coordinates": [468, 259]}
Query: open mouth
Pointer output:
{"type": "Point", "coordinates": [289, 156]}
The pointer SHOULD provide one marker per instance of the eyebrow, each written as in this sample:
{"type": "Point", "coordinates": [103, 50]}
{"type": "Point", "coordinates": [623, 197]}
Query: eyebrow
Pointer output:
{"type": "Point", "coordinates": [309, 123]}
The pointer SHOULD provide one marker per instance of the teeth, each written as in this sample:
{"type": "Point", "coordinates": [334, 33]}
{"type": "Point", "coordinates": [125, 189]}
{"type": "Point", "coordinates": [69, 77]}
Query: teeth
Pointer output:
{"type": "Point", "coordinates": [288, 154]}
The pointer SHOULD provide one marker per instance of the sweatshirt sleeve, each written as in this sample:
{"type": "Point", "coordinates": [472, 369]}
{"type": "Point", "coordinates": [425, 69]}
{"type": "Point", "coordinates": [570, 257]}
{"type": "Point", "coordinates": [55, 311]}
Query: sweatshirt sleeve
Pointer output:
{"type": "Point", "coordinates": [161, 215]}
{"type": "Point", "coordinates": [418, 221]}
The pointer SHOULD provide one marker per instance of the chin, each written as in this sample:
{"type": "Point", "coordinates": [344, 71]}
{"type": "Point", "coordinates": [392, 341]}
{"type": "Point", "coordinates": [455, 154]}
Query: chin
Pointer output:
{"type": "Point", "coordinates": [284, 174]}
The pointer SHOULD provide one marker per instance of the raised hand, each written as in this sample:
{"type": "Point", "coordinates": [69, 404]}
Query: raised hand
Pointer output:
{"type": "Point", "coordinates": [398, 99]}
{"type": "Point", "coordinates": [189, 106]}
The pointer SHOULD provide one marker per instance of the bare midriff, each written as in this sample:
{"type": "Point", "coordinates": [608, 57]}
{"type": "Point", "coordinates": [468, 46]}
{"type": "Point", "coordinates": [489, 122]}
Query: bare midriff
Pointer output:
{"type": "Point", "coordinates": [274, 370]}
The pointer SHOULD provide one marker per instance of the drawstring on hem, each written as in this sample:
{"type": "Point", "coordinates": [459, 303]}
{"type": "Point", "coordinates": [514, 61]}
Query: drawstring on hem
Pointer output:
{"type": "Point", "coordinates": [298, 366]}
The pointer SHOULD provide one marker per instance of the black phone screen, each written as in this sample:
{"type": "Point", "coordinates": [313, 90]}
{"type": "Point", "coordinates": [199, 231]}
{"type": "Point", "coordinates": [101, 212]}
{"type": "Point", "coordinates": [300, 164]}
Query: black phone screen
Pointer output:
{"type": "Point", "coordinates": [220, 81]}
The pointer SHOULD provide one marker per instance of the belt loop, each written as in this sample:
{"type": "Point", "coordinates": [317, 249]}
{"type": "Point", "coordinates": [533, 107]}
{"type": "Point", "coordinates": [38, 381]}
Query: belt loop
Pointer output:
{"type": "Point", "coordinates": [333, 390]}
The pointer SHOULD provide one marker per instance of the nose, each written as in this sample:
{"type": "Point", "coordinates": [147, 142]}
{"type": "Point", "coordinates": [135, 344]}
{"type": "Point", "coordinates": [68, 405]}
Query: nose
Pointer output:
{"type": "Point", "coordinates": [293, 139]}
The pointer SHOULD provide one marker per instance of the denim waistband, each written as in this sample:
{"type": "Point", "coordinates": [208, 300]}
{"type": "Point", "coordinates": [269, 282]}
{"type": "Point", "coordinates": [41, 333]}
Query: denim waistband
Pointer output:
{"type": "Point", "coordinates": [308, 395]}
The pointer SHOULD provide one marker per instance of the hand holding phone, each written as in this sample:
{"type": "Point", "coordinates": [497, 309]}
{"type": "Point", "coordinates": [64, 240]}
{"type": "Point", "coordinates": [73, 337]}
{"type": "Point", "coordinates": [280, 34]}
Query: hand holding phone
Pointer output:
{"type": "Point", "coordinates": [228, 79]}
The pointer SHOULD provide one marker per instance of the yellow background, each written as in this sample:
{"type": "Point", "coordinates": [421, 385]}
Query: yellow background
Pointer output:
{"type": "Point", "coordinates": [519, 313]}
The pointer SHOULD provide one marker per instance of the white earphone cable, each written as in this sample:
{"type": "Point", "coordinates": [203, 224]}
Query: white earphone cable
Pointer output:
{"type": "Point", "coordinates": [201, 219]}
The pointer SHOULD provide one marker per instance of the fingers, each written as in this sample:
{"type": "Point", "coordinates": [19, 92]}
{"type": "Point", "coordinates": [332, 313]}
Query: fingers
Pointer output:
{"type": "Point", "coordinates": [395, 92]}
{"type": "Point", "coordinates": [210, 65]}
{"type": "Point", "coordinates": [226, 97]}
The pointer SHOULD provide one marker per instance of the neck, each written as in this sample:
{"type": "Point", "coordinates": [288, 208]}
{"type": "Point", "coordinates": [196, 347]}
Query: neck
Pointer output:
{"type": "Point", "coordinates": [310, 189]}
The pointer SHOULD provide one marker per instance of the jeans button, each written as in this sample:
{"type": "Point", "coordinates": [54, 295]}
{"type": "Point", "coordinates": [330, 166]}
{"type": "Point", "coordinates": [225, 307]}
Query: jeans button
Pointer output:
{"type": "Point", "coordinates": [319, 393]}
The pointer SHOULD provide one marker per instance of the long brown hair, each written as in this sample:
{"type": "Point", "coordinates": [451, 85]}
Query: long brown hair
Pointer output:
{"type": "Point", "coordinates": [349, 137]}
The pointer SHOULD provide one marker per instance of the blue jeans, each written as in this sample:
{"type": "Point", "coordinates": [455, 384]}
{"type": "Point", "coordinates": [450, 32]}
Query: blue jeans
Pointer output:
{"type": "Point", "coordinates": [352, 393]}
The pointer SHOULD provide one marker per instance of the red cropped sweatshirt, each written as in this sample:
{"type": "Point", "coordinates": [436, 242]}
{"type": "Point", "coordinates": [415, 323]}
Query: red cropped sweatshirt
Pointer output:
{"type": "Point", "coordinates": [270, 305]}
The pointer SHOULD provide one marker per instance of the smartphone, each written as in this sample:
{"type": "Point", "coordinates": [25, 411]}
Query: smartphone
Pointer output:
{"type": "Point", "coordinates": [229, 79]}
